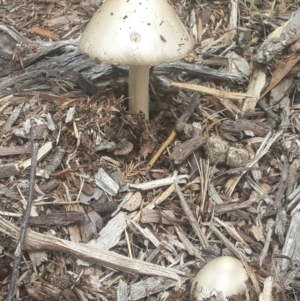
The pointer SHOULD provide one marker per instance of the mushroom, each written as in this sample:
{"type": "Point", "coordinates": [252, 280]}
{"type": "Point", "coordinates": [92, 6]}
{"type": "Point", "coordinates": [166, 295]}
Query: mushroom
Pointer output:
{"type": "Point", "coordinates": [225, 274]}
{"type": "Point", "coordinates": [138, 33]}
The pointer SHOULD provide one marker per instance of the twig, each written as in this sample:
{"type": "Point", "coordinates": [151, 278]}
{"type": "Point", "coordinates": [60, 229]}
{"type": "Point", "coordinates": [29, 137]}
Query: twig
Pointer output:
{"type": "Point", "coordinates": [181, 179]}
{"type": "Point", "coordinates": [19, 248]}
{"type": "Point", "coordinates": [191, 217]}
{"type": "Point", "coordinates": [263, 254]}
{"type": "Point", "coordinates": [162, 148]}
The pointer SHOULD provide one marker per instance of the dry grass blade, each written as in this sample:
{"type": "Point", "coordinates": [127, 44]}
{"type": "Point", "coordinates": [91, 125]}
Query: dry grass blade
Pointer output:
{"type": "Point", "coordinates": [228, 244]}
{"type": "Point", "coordinates": [205, 176]}
{"type": "Point", "coordinates": [191, 217]}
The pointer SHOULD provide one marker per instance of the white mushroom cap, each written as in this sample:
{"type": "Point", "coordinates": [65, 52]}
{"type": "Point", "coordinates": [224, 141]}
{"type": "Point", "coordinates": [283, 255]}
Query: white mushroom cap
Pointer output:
{"type": "Point", "coordinates": [224, 274]}
{"type": "Point", "coordinates": [135, 32]}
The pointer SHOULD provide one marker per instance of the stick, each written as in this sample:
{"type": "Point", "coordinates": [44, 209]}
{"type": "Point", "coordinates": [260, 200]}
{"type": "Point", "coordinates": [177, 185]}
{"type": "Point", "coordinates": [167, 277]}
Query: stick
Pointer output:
{"type": "Point", "coordinates": [19, 248]}
{"type": "Point", "coordinates": [39, 242]}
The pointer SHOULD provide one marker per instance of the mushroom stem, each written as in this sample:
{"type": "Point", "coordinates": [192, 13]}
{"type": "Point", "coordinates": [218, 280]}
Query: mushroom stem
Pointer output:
{"type": "Point", "coordinates": [139, 90]}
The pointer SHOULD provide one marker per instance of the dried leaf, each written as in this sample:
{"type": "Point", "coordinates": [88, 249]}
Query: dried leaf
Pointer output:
{"type": "Point", "coordinates": [147, 149]}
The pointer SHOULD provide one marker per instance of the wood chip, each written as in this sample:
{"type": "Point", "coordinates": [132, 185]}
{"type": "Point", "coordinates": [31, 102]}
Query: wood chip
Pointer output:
{"type": "Point", "coordinates": [45, 33]}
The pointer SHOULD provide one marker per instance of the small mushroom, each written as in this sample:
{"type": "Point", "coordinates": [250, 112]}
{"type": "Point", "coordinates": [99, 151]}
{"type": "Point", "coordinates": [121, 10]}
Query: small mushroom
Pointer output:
{"type": "Point", "coordinates": [225, 274]}
{"type": "Point", "coordinates": [139, 34]}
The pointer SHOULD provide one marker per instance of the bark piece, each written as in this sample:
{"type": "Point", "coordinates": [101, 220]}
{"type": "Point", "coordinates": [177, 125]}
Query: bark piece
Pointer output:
{"type": "Point", "coordinates": [183, 149]}
{"type": "Point", "coordinates": [49, 186]}
{"type": "Point", "coordinates": [104, 208]}
{"type": "Point", "coordinates": [39, 129]}
{"type": "Point", "coordinates": [14, 150]}
{"type": "Point", "coordinates": [53, 164]}
{"type": "Point", "coordinates": [42, 290]}
{"type": "Point", "coordinates": [253, 128]}
{"type": "Point", "coordinates": [7, 170]}
{"type": "Point", "coordinates": [57, 219]}
{"type": "Point", "coordinates": [86, 188]}
{"type": "Point", "coordinates": [92, 225]}
{"type": "Point", "coordinates": [205, 72]}
{"type": "Point", "coordinates": [237, 63]}
{"type": "Point", "coordinates": [279, 39]}
{"type": "Point", "coordinates": [11, 120]}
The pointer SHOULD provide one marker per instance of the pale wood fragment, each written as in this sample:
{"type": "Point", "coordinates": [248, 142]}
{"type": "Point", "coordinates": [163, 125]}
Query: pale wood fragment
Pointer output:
{"type": "Point", "coordinates": [232, 232]}
{"type": "Point", "coordinates": [110, 235]}
{"type": "Point", "coordinates": [266, 294]}
{"type": "Point", "coordinates": [233, 23]}
{"type": "Point", "coordinates": [291, 247]}
{"type": "Point", "coordinates": [149, 286]}
{"type": "Point", "coordinates": [106, 183]}
{"type": "Point", "coordinates": [160, 182]}
{"type": "Point", "coordinates": [256, 84]}
{"type": "Point", "coordinates": [122, 291]}
{"type": "Point", "coordinates": [134, 202]}
{"type": "Point", "coordinates": [44, 150]}
{"type": "Point", "coordinates": [157, 216]}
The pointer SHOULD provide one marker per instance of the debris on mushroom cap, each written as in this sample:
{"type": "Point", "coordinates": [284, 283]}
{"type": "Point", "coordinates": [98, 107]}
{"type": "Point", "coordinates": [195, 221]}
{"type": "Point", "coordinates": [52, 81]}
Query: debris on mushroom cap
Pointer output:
{"type": "Point", "coordinates": [135, 32]}
{"type": "Point", "coordinates": [224, 274]}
